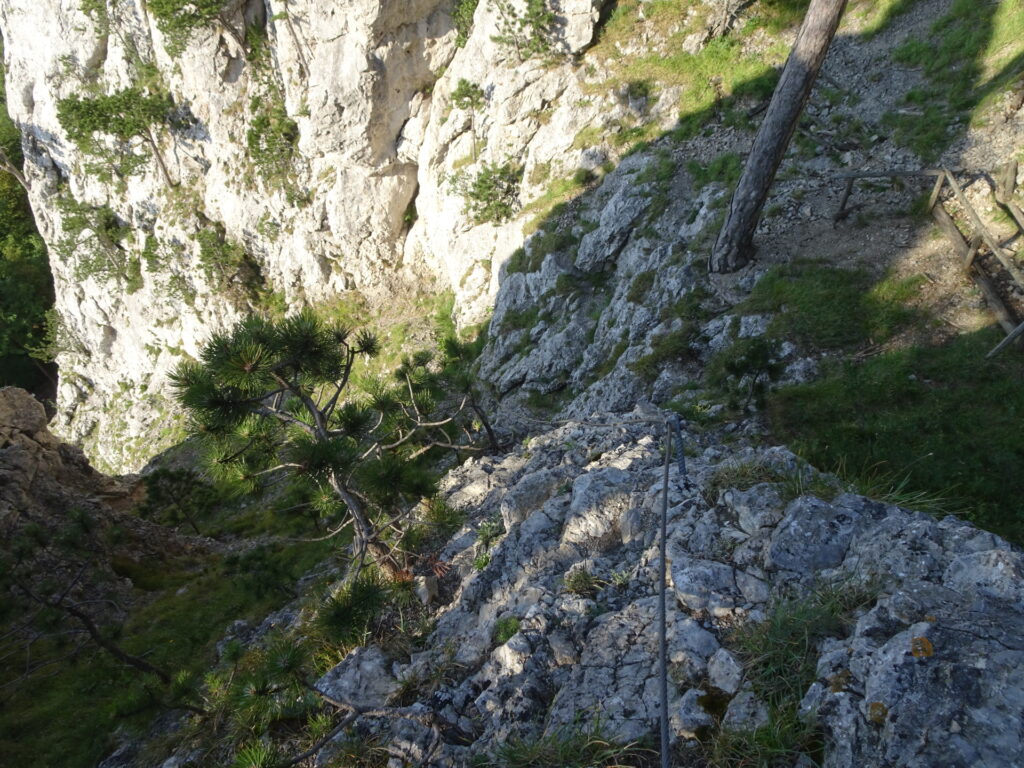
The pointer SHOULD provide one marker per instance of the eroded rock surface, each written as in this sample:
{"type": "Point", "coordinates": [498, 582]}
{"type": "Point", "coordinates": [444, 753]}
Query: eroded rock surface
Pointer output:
{"type": "Point", "coordinates": [929, 674]}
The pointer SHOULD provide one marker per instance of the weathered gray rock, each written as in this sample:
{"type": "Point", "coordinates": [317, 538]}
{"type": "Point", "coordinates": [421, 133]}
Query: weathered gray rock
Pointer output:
{"type": "Point", "coordinates": [617, 676]}
{"type": "Point", "coordinates": [755, 508]}
{"type": "Point", "coordinates": [599, 500]}
{"type": "Point", "coordinates": [724, 672]}
{"type": "Point", "coordinates": [363, 678]}
{"type": "Point", "coordinates": [690, 720]}
{"type": "Point", "coordinates": [812, 536]}
{"type": "Point", "coordinates": [745, 712]}
{"type": "Point", "coordinates": [934, 678]}
{"type": "Point", "coordinates": [529, 494]}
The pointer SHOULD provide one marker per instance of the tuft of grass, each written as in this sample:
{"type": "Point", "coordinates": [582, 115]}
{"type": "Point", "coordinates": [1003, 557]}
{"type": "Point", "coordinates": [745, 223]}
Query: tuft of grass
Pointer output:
{"type": "Point", "coordinates": [668, 348]}
{"type": "Point", "coordinates": [779, 654]}
{"type": "Point", "coordinates": [781, 742]}
{"type": "Point", "coordinates": [641, 284]}
{"type": "Point", "coordinates": [935, 420]}
{"type": "Point", "coordinates": [779, 657]}
{"type": "Point", "coordinates": [829, 308]}
{"type": "Point", "coordinates": [521, 319]}
{"type": "Point", "coordinates": [504, 629]}
{"type": "Point", "coordinates": [792, 484]}
{"type": "Point", "coordinates": [580, 581]}
{"type": "Point", "coordinates": [570, 747]}
{"type": "Point", "coordinates": [524, 261]}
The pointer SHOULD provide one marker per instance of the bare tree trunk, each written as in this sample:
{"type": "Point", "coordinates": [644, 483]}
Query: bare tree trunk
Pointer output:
{"type": "Point", "coordinates": [97, 637]}
{"type": "Point", "coordinates": [735, 244]}
{"type": "Point", "coordinates": [159, 158]}
{"type": "Point", "coordinates": [7, 166]}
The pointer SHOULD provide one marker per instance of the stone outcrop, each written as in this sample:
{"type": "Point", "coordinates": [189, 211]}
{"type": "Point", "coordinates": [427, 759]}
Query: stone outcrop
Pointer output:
{"type": "Point", "coordinates": [50, 494]}
{"type": "Point", "coordinates": [927, 674]}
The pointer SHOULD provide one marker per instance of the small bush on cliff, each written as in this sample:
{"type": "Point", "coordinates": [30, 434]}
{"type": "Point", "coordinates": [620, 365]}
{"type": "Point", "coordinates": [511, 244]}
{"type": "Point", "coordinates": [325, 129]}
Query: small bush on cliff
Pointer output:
{"type": "Point", "coordinates": [179, 19]}
{"type": "Point", "coordinates": [26, 288]}
{"type": "Point", "coordinates": [462, 15]}
{"type": "Point", "coordinates": [127, 114]}
{"type": "Point", "coordinates": [492, 195]}
{"type": "Point", "coordinates": [530, 31]}
{"type": "Point", "coordinates": [272, 137]}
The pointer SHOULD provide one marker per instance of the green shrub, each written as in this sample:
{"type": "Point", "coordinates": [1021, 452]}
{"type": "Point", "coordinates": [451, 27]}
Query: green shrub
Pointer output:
{"type": "Point", "coordinates": [347, 616]}
{"type": "Point", "coordinates": [126, 114]}
{"type": "Point", "coordinates": [530, 31]}
{"type": "Point", "coordinates": [745, 369]}
{"type": "Point", "coordinates": [462, 15]}
{"type": "Point", "coordinates": [467, 95]}
{"type": "Point", "coordinates": [504, 629]}
{"type": "Point", "coordinates": [94, 240]}
{"type": "Point", "coordinates": [179, 19]}
{"type": "Point", "coordinates": [488, 532]}
{"type": "Point", "coordinates": [272, 137]}
{"type": "Point", "coordinates": [228, 266]}
{"type": "Point", "coordinates": [26, 287]}
{"type": "Point", "coordinates": [492, 195]}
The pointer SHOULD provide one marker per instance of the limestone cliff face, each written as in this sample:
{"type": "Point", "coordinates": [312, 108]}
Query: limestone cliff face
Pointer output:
{"type": "Point", "coordinates": [302, 141]}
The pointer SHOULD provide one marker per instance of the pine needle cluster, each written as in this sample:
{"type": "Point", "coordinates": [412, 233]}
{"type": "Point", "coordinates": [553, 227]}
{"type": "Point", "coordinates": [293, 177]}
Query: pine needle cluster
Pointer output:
{"type": "Point", "coordinates": [279, 400]}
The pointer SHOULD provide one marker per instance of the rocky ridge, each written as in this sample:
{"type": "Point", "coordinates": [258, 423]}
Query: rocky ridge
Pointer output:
{"type": "Point", "coordinates": [927, 673]}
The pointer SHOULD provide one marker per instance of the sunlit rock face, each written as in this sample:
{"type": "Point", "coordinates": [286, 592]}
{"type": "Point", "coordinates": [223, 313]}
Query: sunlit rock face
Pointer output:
{"type": "Point", "coordinates": [309, 153]}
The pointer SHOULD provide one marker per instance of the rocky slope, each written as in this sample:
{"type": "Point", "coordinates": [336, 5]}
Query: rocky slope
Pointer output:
{"type": "Point", "coordinates": [66, 528]}
{"type": "Point", "coordinates": [552, 627]}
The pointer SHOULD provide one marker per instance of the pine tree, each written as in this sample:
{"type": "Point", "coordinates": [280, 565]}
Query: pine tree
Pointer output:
{"type": "Point", "coordinates": [126, 114]}
{"type": "Point", "coordinates": [277, 400]}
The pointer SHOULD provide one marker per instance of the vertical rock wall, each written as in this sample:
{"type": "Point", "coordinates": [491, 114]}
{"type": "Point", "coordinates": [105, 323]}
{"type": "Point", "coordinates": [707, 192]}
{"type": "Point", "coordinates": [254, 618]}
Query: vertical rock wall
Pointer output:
{"type": "Point", "coordinates": [357, 97]}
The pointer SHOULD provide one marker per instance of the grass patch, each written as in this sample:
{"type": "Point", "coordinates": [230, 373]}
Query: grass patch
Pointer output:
{"type": "Point", "coordinates": [779, 657]}
{"type": "Point", "coordinates": [779, 654]}
{"type": "Point", "coordinates": [549, 204]}
{"type": "Point", "coordinates": [937, 420]}
{"type": "Point", "coordinates": [524, 261]}
{"type": "Point", "coordinates": [828, 308]}
{"type": "Point", "coordinates": [569, 747]}
{"type": "Point", "coordinates": [177, 630]}
{"type": "Point", "coordinates": [641, 284]}
{"type": "Point", "coordinates": [521, 319]}
{"type": "Point", "coordinates": [971, 55]}
{"type": "Point", "coordinates": [724, 168]}
{"type": "Point", "coordinates": [504, 629]}
{"type": "Point", "coordinates": [668, 348]}
{"type": "Point", "coordinates": [791, 483]}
